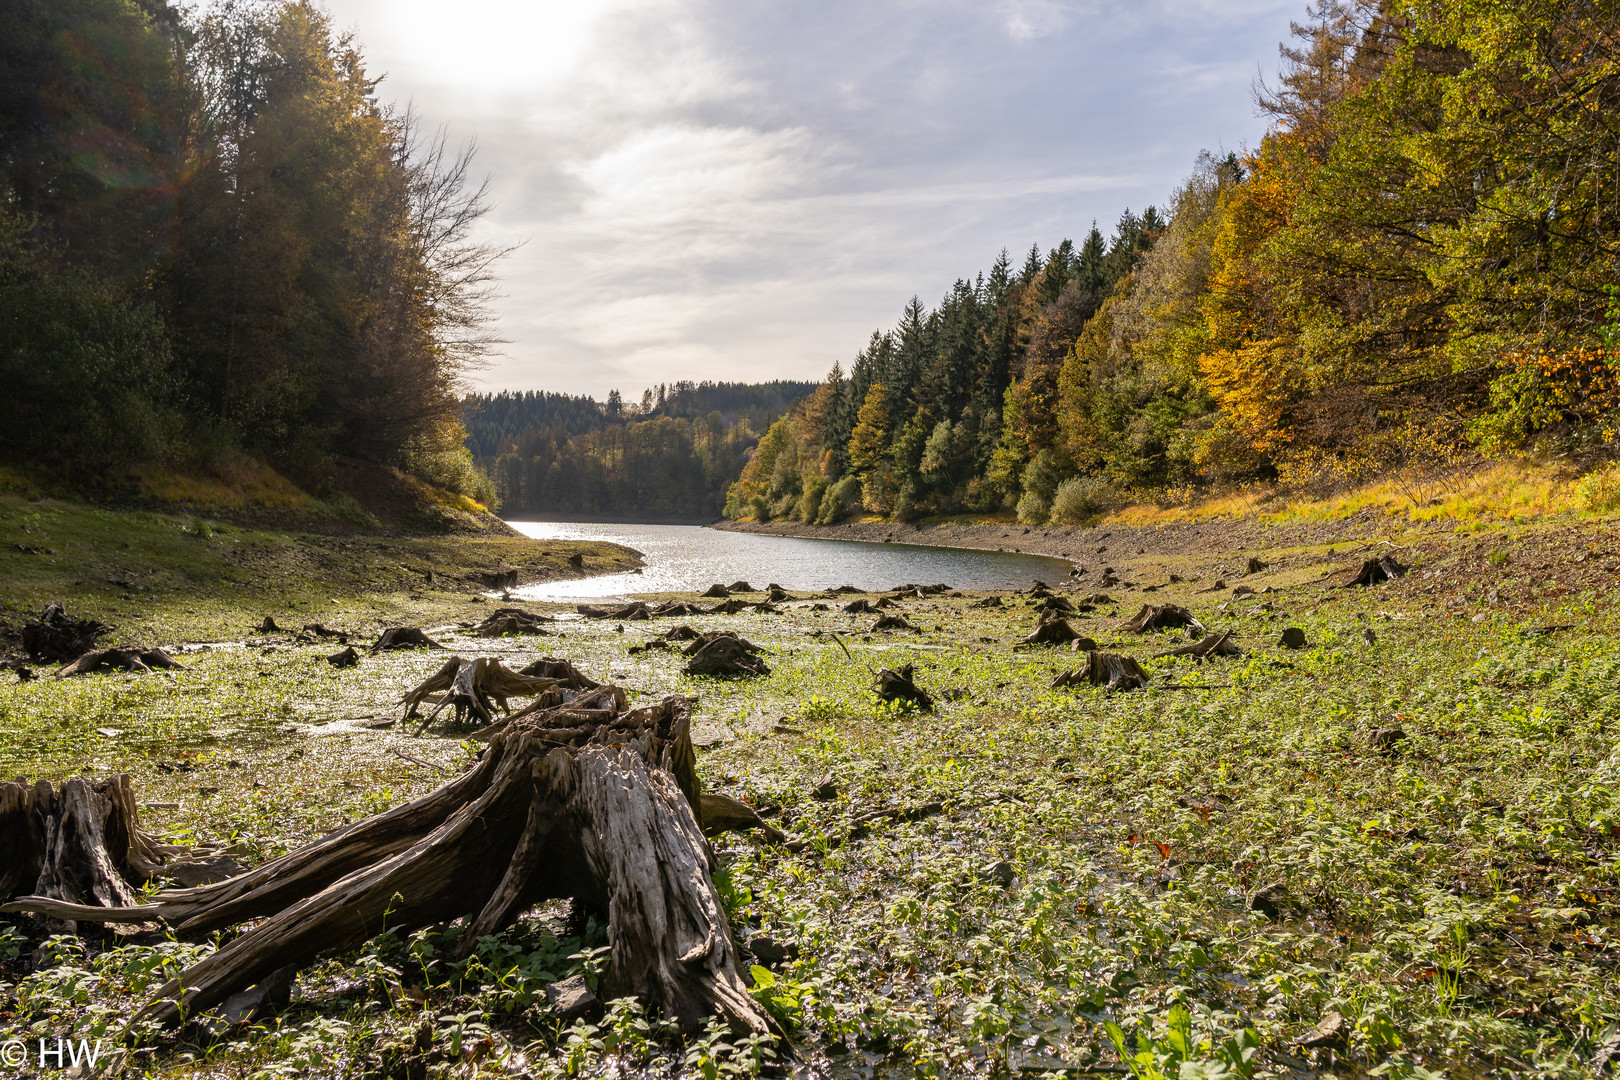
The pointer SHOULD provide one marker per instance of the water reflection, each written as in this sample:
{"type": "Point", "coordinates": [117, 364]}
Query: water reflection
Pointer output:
{"type": "Point", "coordinates": [683, 558]}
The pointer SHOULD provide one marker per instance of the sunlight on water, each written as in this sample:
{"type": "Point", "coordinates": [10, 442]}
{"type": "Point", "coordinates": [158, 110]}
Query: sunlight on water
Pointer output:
{"type": "Point", "coordinates": [682, 558]}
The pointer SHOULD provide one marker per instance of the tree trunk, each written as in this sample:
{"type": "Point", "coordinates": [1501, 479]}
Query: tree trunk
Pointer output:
{"type": "Point", "coordinates": [602, 808]}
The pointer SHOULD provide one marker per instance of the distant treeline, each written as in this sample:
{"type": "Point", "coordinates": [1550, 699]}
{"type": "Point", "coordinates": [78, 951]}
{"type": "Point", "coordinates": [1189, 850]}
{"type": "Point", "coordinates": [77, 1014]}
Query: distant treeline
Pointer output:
{"type": "Point", "coordinates": [673, 455]}
{"type": "Point", "coordinates": [1415, 268]}
{"type": "Point", "coordinates": [215, 237]}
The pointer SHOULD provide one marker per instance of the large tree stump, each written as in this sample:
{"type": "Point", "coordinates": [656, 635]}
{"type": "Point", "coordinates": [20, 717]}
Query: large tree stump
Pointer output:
{"type": "Point", "coordinates": [1107, 670]}
{"type": "Point", "coordinates": [81, 844]}
{"type": "Point", "coordinates": [56, 636]}
{"type": "Point", "coordinates": [604, 811]}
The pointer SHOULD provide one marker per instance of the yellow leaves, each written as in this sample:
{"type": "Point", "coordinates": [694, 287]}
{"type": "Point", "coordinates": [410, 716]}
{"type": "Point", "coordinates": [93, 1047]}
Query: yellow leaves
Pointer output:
{"type": "Point", "coordinates": [1254, 385]}
{"type": "Point", "coordinates": [869, 439]}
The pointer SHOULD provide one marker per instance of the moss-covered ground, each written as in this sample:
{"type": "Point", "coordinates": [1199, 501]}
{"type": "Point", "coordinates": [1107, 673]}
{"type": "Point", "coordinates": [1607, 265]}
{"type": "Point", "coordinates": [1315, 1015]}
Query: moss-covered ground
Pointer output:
{"type": "Point", "coordinates": [1081, 901]}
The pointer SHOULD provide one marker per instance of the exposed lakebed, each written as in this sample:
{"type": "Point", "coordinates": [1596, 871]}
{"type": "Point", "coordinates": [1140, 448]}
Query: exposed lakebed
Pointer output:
{"type": "Point", "coordinates": [689, 558]}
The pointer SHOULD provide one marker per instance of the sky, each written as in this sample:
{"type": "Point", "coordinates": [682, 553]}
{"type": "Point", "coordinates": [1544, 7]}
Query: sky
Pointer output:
{"type": "Point", "coordinates": [745, 191]}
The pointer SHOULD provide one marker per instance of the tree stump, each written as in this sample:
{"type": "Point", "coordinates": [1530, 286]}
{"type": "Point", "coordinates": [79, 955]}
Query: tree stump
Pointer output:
{"type": "Point", "coordinates": [902, 686]}
{"type": "Point", "coordinates": [403, 637]}
{"type": "Point", "coordinates": [1162, 617]}
{"type": "Point", "coordinates": [604, 811]}
{"type": "Point", "coordinates": [1374, 571]}
{"type": "Point", "coordinates": [1107, 670]}
{"type": "Point", "coordinates": [55, 636]}
{"type": "Point", "coordinates": [472, 687]}
{"type": "Point", "coordinates": [81, 844]}
{"type": "Point", "coordinates": [1054, 629]}
{"type": "Point", "coordinates": [120, 658]}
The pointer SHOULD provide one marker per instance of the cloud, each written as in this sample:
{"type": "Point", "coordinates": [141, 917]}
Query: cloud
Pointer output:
{"type": "Point", "coordinates": [716, 189]}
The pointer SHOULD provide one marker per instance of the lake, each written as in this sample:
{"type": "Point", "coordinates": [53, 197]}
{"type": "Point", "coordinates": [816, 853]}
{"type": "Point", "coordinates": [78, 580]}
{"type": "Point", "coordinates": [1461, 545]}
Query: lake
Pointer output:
{"type": "Point", "coordinates": [690, 558]}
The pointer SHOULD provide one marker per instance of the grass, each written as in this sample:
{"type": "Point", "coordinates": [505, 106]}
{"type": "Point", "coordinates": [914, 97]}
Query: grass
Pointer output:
{"type": "Point", "coordinates": [1504, 491]}
{"type": "Point", "coordinates": [1081, 902]}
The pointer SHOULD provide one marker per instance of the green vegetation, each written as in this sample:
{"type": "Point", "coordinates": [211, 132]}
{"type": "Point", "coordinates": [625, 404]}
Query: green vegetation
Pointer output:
{"type": "Point", "coordinates": [1082, 891]}
{"type": "Point", "coordinates": [161, 577]}
{"type": "Point", "coordinates": [671, 457]}
{"type": "Point", "coordinates": [215, 238]}
{"type": "Point", "coordinates": [1414, 270]}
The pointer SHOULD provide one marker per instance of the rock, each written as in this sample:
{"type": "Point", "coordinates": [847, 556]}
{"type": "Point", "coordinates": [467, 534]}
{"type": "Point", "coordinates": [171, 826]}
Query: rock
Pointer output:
{"type": "Point", "coordinates": [998, 873]}
{"type": "Point", "coordinates": [190, 873]}
{"type": "Point", "coordinates": [1329, 1029]}
{"type": "Point", "coordinates": [345, 659]}
{"type": "Point", "coordinates": [570, 998]}
{"type": "Point", "coordinates": [825, 791]}
{"type": "Point", "coordinates": [1292, 638]}
{"type": "Point", "coordinates": [1271, 900]}
{"type": "Point", "coordinates": [272, 993]}
{"type": "Point", "coordinates": [770, 952]}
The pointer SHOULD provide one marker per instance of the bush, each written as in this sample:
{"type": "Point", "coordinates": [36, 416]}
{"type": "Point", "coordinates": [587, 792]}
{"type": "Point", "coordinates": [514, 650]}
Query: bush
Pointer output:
{"type": "Point", "coordinates": [836, 503]}
{"type": "Point", "coordinates": [1598, 492]}
{"type": "Point", "coordinates": [760, 507]}
{"type": "Point", "coordinates": [1081, 499]}
{"type": "Point", "coordinates": [810, 500]}
{"type": "Point", "coordinates": [1033, 508]}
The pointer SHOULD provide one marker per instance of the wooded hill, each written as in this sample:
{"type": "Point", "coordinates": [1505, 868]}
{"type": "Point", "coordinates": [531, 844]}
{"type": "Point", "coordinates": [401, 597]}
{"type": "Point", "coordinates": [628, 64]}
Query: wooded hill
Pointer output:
{"type": "Point", "coordinates": [1415, 268]}
{"type": "Point", "coordinates": [671, 456]}
{"type": "Point", "coordinates": [216, 238]}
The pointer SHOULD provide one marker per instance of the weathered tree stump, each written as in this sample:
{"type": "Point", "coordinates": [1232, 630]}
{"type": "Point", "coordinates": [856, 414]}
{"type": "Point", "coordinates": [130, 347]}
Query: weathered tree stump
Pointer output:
{"type": "Point", "coordinates": [716, 591]}
{"type": "Point", "coordinates": [605, 811]}
{"type": "Point", "coordinates": [567, 675]}
{"type": "Point", "coordinates": [1164, 617]}
{"type": "Point", "coordinates": [1373, 571]}
{"type": "Point", "coordinates": [503, 621]}
{"type": "Point", "coordinates": [403, 637]}
{"type": "Point", "coordinates": [902, 686]}
{"type": "Point", "coordinates": [56, 636]}
{"type": "Point", "coordinates": [120, 658]}
{"type": "Point", "coordinates": [1107, 670]}
{"type": "Point", "coordinates": [894, 622]}
{"type": "Point", "coordinates": [1054, 629]}
{"type": "Point", "coordinates": [472, 687]}
{"type": "Point", "coordinates": [725, 655]}
{"type": "Point", "coordinates": [1220, 644]}
{"type": "Point", "coordinates": [81, 844]}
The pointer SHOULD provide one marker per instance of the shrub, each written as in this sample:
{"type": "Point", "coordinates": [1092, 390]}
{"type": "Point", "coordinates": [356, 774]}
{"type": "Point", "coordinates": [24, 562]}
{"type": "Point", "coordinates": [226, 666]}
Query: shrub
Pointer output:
{"type": "Point", "coordinates": [838, 499]}
{"type": "Point", "coordinates": [1033, 508]}
{"type": "Point", "coordinates": [1080, 499]}
{"type": "Point", "coordinates": [1598, 492]}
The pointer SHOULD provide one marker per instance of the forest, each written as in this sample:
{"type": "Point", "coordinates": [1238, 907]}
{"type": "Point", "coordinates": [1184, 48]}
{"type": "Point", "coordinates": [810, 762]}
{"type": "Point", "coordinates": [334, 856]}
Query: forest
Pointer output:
{"type": "Point", "coordinates": [216, 239]}
{"type": "Point", "coordinates": [1414, 270]}
{"type": "Point", "coordinates": [672, 456]}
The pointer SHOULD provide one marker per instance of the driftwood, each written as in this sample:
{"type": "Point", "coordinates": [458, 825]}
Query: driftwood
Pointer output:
{"type": "Point", "coordinates": [1054, 629]}
{"type": "Point", "coordinates": [721, 814]}
{"type": "Point", "coordinates": [605, 812]}
{"type": "Point", "coordinates": [56, 636]}
{"type": "Point", "coordinates": [120, 658]}
{"type": "Point", "coordinates": [894, 622]}
{"type": "Point", "coordinates": [725, 655]}
{"type": "Point", "coordinates": [567, 675]}
{"type": "Point", "coordinates": [1163, 617]}
{"type": "Point", "coordinates": [1210, 645]}
{"type": "Point", "coordinates": [1373, 571]}
{"type": "Point", "coordinates": [83, 844]}
{"type": "Point", "coordinates": [472, 687]}
{"type": "Point", "coordinates": [1107, 670]}
{"type": "Point", "coordinates": [504, 621]}
{"type": "Point", "coordinates": [403, 637]}
{"type": "Point", "coordinates": [902, 686]}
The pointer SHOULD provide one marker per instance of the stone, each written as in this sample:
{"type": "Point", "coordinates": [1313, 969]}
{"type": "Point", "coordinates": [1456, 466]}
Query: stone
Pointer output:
{"type": "Point", "coordinates": [571, 998]}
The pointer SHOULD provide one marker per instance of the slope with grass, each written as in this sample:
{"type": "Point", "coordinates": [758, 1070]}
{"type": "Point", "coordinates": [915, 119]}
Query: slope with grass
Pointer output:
{"type": "Point", "coordinates": [1392, 849]}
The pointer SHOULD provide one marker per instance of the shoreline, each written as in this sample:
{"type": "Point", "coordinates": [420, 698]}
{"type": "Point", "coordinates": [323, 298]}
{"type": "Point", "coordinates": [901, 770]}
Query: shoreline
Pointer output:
{"type": "Point", "coordinates": [1082, 545]}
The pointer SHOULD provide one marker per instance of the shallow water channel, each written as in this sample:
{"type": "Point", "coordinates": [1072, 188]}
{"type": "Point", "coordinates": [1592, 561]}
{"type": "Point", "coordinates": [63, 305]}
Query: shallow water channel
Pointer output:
{"type": "Point", "coordinates": [688, 558]}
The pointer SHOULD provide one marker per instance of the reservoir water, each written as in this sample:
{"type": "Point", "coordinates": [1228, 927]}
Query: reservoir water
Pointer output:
{"type": "Point", "coordinates": [686, 558]}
